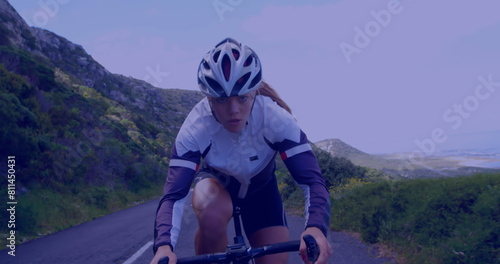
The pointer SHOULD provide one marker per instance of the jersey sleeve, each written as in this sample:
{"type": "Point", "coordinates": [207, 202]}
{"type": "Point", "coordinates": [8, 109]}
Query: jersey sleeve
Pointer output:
{"type": "Point", "coordinates": [171, 206]}
{"type": "Point", "coordinates": [291, 142]}
{"type": "Point", "coordinates": [184, 161]}
{"type": "Point", "coordinates": [303, 166]}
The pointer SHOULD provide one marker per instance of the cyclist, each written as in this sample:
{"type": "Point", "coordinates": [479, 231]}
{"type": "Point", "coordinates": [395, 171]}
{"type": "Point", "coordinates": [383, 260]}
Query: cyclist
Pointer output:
{"type": "Point", "coordinates": [237, 130]}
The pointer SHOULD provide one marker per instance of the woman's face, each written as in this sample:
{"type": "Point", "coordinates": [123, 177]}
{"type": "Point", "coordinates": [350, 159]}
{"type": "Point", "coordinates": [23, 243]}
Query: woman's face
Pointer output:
{"type": "Point", "coordinates": [232, 112]}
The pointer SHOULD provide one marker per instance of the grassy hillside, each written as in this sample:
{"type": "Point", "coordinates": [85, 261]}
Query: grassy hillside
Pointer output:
{"type": "Point", "coordinates": [79, 153]}
{"type": "Point", "coordinates": [446, 220]}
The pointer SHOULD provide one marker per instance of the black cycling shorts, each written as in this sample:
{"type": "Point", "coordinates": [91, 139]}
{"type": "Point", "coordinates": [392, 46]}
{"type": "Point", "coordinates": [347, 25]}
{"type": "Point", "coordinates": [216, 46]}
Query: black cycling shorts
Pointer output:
{"type": "Point", "coordinates": [262, 207]}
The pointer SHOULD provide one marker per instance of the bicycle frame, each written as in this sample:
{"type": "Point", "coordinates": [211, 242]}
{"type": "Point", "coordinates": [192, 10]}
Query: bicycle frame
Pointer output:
{"type": "Point", "coordinates": [239, 253]}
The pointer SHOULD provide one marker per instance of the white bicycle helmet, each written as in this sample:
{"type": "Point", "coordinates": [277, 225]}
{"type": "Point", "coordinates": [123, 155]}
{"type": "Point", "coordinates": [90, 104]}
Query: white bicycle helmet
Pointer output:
{"type": "Point", "coordinates": [230, 69]}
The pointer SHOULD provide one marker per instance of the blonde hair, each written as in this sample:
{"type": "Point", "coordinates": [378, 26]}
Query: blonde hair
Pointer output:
{"type": "Point", "coordinates": [266, 90]}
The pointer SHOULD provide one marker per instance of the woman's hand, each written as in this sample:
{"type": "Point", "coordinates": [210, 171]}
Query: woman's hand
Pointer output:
{"type": "Point", "coordinates": [164, 251]}
{"type": "Point", "coordinates": [324, 246]}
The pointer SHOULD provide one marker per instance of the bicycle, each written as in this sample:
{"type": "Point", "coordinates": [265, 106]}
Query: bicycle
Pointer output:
{"type": "Point", "coordinates": [239, 253]}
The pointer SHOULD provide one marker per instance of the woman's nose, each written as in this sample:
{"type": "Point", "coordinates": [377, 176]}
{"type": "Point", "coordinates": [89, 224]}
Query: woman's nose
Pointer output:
{"type": "Point", "coordinates": [233, 106]}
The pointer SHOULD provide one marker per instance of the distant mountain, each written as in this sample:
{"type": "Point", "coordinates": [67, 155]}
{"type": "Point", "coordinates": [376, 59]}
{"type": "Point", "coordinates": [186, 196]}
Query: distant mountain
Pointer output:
{"type": "Point", "coordinates": [409, 165]}
{"type": "Point", "coordinates": [339, 148]}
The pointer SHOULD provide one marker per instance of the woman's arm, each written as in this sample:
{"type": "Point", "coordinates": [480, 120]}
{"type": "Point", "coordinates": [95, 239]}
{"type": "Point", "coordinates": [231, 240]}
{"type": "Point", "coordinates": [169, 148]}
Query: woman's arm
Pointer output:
{"type": "Point", "coordinates": [305, 170]}
{"type": "Point", "coordinates": [180, 175]}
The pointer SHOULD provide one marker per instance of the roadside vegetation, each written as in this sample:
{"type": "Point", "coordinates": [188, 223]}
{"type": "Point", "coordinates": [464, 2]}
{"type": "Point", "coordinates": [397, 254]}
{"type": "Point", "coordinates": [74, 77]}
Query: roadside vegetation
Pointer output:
{"type": "Point", "coordinates": [427, 220]}
{"type": "Point", "coordinates": [339, 172]}
{"type": "Point", "coordinates": [445, 220]}
{"type": "Point", "coordinates": [43, 211]}
{"type": "Point", "coordinates": [78, 153]}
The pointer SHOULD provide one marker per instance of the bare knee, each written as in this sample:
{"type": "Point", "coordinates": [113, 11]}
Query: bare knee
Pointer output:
{"type": "Point", "coordinates": [212, 204]}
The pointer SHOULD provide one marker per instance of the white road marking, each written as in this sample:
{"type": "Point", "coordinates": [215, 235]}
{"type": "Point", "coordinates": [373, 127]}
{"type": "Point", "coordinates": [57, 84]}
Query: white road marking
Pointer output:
{"type": "Point", "coordinates": [139, 252]}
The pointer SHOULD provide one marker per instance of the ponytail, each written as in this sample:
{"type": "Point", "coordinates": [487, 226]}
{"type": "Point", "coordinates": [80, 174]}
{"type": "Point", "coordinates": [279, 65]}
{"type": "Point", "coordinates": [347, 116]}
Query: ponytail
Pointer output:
{"type": "Point", "coordinates": [266, 90]}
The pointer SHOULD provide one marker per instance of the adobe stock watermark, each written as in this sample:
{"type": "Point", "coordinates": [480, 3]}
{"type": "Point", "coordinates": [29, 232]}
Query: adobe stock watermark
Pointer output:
{"type": "Point", "coordinates": [48, 10]}
{"type": "Point", "coordinates": [372, 29]}
{"type": "Point", "coordinates": [156, 76]}
{"type": "Point", "coordinates": [454, 116]}
{"type": "Point", "coordinates": [224, 6]}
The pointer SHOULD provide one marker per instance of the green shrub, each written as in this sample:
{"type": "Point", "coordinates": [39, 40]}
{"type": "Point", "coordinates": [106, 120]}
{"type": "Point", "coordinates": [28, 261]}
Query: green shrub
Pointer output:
{"type": "Point", "coordinates": [447, 220]}
{"type": "Point", "coordinates": [80, 153]}
{"type": "Point", "coordinates": [26, 220]}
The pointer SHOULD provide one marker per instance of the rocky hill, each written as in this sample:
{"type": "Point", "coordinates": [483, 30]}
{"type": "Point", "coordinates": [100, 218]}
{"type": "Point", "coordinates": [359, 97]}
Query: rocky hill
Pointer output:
{"type": "Point", "coordinates": [339, 148]}
{"type": "Point", "coordinates": [84, 139]}
{"type": "Point", "coordinates": [56, 52]}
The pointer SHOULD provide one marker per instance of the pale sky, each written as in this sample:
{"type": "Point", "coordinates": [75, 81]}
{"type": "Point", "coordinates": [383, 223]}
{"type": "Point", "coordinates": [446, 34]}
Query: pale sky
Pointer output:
{"type": "Point", "coordinates": [382, 75]}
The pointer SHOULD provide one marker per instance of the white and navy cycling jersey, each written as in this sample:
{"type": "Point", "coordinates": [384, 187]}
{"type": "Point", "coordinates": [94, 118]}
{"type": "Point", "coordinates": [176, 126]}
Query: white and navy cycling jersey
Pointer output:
{"type": "Point", "coordinates": [247, 156]}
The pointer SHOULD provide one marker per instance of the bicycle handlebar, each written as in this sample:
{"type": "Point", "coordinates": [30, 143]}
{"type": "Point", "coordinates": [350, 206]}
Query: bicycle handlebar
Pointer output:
{"type": "Point", "coordinates": [250, 253]}
{"type": "Point", "coordinates": [312, 248]}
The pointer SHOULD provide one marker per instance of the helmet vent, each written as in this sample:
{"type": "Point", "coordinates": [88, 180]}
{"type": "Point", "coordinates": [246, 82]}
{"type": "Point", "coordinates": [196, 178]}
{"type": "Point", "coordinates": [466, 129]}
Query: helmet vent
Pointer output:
{"type": "Point", "coordinates": [226, 67]}
{"type": "Point", "coordinates": [240, 83]}
{"type": "Point", "coordinates": [216, 56]}
{"type": "Point", "coordinates": [248, 61]}
{"type": "Point", "coordinates": [205, 65]}
{"type": "Point", "coordinates": [215, 85]}
{"type": "Point", "coordinates": [256, 79]}
{"type": "Point", "coordinates": [236, 54]}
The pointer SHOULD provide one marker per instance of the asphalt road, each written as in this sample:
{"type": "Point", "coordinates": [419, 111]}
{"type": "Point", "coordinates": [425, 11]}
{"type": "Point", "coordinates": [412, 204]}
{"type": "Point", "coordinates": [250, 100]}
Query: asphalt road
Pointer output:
{"type": "Point", "coordinates": [126, 237]}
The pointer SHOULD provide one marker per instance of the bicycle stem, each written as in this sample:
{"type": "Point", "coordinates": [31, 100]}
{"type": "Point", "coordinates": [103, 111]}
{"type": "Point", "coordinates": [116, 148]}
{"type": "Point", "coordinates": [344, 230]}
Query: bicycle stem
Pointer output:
{"type": "Point", "coordinates": [238, 239]}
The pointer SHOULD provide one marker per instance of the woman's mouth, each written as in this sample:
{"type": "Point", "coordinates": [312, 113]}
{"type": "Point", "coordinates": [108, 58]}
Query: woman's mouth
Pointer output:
{"type": "Point", "coordinates": [234, 121]}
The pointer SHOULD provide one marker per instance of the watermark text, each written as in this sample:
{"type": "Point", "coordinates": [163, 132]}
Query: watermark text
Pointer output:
{"type": "Point", "coordinates": [11, 204]}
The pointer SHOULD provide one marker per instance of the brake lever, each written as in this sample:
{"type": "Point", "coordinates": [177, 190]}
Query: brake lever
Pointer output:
{"type": "Point", "coordinates": [312, 248]}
